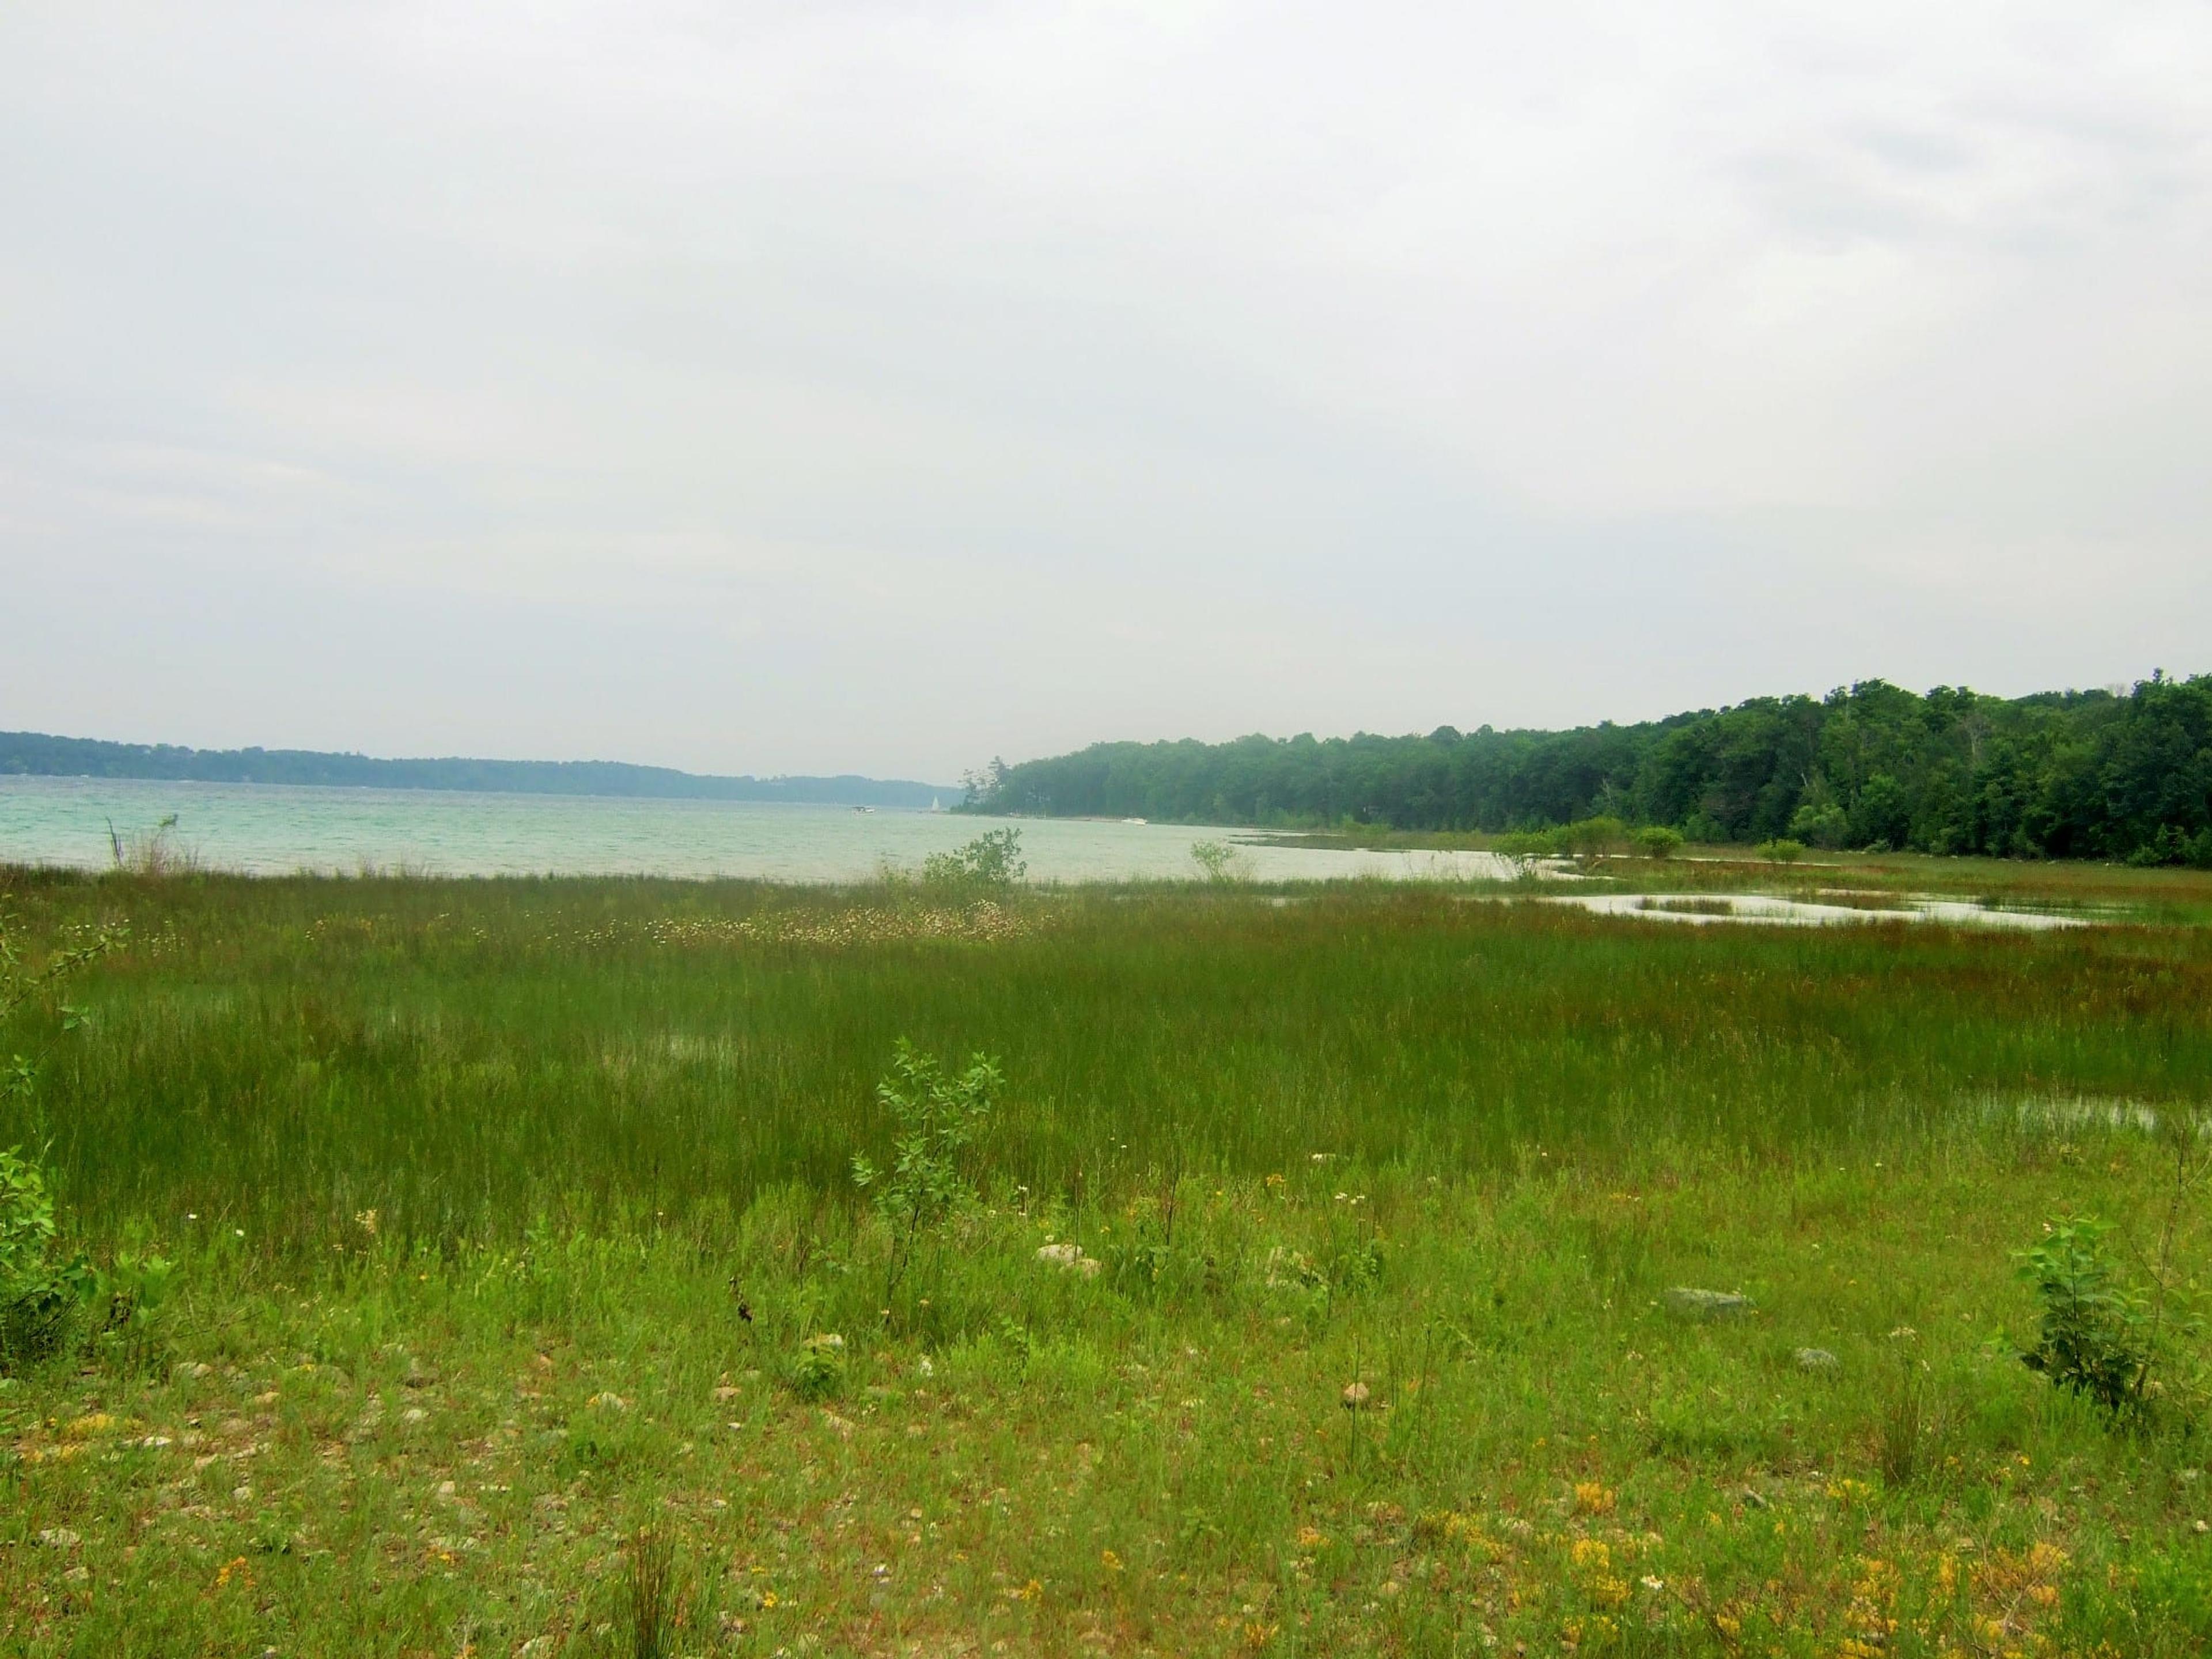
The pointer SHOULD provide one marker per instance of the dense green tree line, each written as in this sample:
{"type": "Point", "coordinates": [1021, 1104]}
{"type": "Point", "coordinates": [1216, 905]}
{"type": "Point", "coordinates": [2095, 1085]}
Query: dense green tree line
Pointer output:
{"type": "Point", "coordinates": [2059, 775]}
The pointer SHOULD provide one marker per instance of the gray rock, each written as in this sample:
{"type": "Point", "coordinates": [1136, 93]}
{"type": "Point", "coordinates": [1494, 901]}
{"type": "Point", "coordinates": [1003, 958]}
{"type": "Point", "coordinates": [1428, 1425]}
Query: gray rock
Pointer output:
{"type": "Point", "coordinates": [1818, 1360]}
{"type": "Point", "coordinates": [1707, 1304]}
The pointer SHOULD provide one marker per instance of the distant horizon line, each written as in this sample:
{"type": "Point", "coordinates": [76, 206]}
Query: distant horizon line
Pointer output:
{"type": "Point", "coordinates": [38, 754]}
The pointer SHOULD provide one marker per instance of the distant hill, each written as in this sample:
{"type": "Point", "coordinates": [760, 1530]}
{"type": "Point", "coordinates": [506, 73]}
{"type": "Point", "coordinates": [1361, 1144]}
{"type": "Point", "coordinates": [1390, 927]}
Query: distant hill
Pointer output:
{"type": "Point", "coordinates": [36, 754]}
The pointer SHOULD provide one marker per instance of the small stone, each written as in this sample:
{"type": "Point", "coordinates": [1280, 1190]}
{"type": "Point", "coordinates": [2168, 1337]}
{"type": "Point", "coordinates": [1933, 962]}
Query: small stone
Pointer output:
{"type": "Point", "coordinates": [59, 1538]}
{"type": "Point", "coordinates": [1069, 1257]}
{"type": "Point", "coordinates": [195, 1370]}
{"type": "Point", "coordinates": [413, 1414]}
{"type": "Point", "coordinates": [1818, 1360]}
{"type": "Point", "coordinates": [1355, 1396]}
{"type": "Point", "coordinates": [608, 1401]}
{"type": "Point", "coordinates": [728, 1391]}
{"type": "Point", "coordinates": [1707, 1304]}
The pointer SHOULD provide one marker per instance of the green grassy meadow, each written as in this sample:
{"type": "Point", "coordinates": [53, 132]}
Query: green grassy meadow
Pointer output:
{"type": "Point", "coordinates": [510, 1215]}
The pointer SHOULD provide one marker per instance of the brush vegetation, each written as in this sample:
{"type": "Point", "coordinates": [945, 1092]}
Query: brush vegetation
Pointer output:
{"type": "Point", "coordinates": [1235, 1273]}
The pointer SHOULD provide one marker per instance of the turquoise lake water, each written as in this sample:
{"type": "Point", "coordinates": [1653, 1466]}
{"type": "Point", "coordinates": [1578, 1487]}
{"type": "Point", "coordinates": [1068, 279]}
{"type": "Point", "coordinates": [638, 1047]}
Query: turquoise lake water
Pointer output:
{"type": "Point", "coordinates": [278, 830]}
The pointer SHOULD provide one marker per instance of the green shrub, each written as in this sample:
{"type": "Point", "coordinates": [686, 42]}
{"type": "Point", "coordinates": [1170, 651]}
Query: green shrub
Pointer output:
{"type": "Point", "coordinates": [1782, 850]}
{"type": "Point", "coordinates": [1528, 844]}
{"type": "Point", "coordinates": [991, 863]}
{"type": "Point", "coordinates": [938, 1117]}
{"type": "Point", "coordinates": [1219, 862]}
{"type": "Point", "coordinates": [1657, 841]}
{"type": "Point", "coordinates": [124, 1300]}
{"type": "Point", "coordinates": [1590, 838]}
{"type": "Point", "coordinates": [40, 1294]}
{"type": "Point", "coordinates": [1821, 826]}
{"type": "Point", "coordinates": [818, 1372]}
{"type": "Point", "coordinates": [2095, 1335]}
{"type": "Point", "coordinates": [45, 1296]}
{"type": "Point", "coordinates": [2172, 845]}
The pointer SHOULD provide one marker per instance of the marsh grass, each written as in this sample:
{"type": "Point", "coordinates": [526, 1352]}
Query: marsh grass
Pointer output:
{"type": "Point", "coordinates": [467, 1057]}
{"type": "Point", "coordinates": [652, 1562]}
{"type": "Point", "coordinates": [1910, 1429]}
{"type": "Point", "coordinates": [509, 1213]}
{"type": "Point", "coordinates": [158, 853]}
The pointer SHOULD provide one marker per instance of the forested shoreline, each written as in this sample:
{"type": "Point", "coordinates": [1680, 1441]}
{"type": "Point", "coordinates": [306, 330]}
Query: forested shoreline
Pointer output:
{"type": "Point", "coordinates": [36, 754]}
{"type": "Point", "coordinates": [2056, 774]}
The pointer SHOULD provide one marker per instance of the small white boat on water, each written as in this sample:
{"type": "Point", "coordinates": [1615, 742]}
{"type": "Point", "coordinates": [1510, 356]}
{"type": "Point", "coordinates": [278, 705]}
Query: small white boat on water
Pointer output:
{"type": "Point", "coordinates": [1135, 820]}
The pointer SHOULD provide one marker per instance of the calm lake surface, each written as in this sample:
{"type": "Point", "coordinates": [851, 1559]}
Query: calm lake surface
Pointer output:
{"type": "Point", "coordinates": [278, 830]}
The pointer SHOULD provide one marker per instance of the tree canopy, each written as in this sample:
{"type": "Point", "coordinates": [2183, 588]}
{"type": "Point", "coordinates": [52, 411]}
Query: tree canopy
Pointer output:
{"type": "Point", "coordinates": [2057, 775]}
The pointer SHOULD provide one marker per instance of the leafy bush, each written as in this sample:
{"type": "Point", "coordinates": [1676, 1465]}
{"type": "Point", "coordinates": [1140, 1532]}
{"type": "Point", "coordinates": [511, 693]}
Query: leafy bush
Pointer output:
{"type": "Point", "coordinates": [124, 1300]}
{"type": "Point", "coordinates": [2096, 1332]}
{"type": "Point", "coordinates": [1657, 841]}
{"type": "Point", "coordinates": [1821, 826]}
{"type": "Point", "coordinates": [1590, 838]}
{"type": "Point", "coordinates": [2172, 845]}
{"type": "Point", "coordinates": [1585, 838]}
{"type": "Point", "coordinates": [991, 863]}
{"type": "Point", "coordinates": [43, 1291]}
{"type": "Point", "coordinates": [939, 1117]}
{"type": "Point", "coordinates": [1781, 850]}
{"type": "Point", "coordinates": [1528, 843]}
{"type": "Point", "coordinates": [818, 1372]}
{"type": "Point", "coordinates": [49, 1299]}
{"type": "Point", "coordinates": [39, 1290]}
{"type": "Point", "coordinates": [1219, 862]}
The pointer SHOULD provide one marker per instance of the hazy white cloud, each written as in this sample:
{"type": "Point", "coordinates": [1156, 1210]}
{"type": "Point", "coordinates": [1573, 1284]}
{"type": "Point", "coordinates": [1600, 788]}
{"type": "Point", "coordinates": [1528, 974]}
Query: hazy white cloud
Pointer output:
{"type": "Point", "coordinates": [882, 386]}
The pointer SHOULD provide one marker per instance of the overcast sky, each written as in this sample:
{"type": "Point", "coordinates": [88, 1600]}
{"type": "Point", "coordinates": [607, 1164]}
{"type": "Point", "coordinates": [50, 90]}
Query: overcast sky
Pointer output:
{"type": "Point", "coordinates": [881, 387]}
